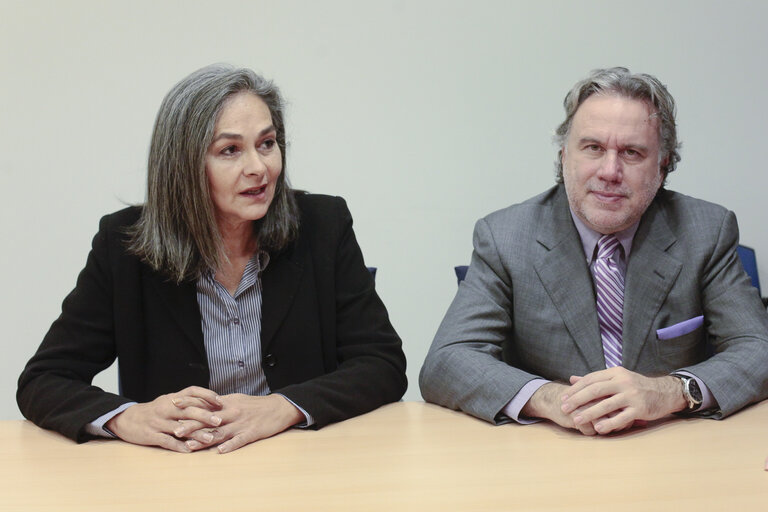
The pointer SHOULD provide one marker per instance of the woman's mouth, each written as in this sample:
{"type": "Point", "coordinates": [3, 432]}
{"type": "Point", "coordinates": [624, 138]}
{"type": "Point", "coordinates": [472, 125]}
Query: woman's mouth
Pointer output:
{"type": "Point", "coordinates": [254, 191]}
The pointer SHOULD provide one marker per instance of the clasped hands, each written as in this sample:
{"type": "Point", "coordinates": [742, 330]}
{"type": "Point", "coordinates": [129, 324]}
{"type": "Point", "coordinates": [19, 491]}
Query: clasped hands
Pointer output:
{"type": "Point", "coordinates": [606, 401]}
{"type": "Point", "coordinates": [197, 418]}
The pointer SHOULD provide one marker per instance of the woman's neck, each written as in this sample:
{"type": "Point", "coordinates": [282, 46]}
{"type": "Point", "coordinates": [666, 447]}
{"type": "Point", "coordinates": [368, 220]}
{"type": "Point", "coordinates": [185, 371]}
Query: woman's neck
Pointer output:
{"type": "Point", "coordinates": [239, 240]}
{"type": "Point", "coordinates": [239, 246]}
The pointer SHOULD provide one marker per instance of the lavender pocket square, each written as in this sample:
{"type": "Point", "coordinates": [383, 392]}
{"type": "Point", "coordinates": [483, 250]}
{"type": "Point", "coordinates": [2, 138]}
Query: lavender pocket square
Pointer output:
{"type": "Point", "coordinates": [673, 331]}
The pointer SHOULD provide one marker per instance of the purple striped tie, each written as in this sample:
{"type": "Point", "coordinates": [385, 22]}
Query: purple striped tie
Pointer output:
{"type": "Point", "coordinates": [609, 288]}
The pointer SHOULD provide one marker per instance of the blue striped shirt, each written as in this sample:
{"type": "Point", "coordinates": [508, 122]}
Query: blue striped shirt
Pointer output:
{"type": "Point", "coordinates": [232, 332]}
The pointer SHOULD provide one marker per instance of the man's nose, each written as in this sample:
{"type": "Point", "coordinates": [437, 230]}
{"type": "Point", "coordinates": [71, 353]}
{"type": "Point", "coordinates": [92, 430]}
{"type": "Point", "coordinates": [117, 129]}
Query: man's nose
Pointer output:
{"type": "Point", "coordinates": [610, 168]}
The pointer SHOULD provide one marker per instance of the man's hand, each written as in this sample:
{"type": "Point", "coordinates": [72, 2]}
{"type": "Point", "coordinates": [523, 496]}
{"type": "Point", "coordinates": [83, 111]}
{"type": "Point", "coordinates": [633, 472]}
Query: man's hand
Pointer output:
{"type": "Point", "coordinates": [615, 398]}
{"type": "Point", "coordinates": [546, 403]}
{"type": "Point", "coordinates": [245, 419]}
{"type": "Point", "coordinates": [162, 421]}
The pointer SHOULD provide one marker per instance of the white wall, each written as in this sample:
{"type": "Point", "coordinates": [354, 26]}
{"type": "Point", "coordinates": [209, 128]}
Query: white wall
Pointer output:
{"type": "Point", "coordinates": [424, 115]}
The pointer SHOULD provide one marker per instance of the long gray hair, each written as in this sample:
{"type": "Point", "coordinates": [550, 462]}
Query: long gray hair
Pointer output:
{"type": "Point", "coordinates": [177, 233]}
{"type": "Point", "coordinates": [638, 86]}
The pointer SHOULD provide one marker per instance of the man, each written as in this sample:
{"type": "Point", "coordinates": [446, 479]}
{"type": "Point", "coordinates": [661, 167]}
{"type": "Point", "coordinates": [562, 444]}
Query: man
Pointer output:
{"type": "Point", "coordinates": [606, 300]}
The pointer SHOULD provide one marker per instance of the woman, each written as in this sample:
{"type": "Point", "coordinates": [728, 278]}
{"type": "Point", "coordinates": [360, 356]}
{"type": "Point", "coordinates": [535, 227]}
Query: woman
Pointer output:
{"type": "Point", "coordinates": [236, 307]}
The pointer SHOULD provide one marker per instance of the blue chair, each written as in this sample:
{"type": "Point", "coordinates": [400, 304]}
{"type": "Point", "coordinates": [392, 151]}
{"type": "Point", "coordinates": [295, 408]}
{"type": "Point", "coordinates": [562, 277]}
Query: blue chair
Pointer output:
{"type": "Point", "coordinates": [461, 273]}
{"type": "Point", "coordinates": [749, 261]}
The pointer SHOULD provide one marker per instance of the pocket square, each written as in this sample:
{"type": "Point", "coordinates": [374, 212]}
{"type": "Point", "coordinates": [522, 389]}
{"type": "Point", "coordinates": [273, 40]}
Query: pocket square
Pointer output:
{"type": "Point", "coordinates": [673, 331]}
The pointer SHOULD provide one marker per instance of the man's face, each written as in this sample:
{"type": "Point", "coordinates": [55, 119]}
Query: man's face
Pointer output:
{"type": "Point", "coordinates": [611, 162]}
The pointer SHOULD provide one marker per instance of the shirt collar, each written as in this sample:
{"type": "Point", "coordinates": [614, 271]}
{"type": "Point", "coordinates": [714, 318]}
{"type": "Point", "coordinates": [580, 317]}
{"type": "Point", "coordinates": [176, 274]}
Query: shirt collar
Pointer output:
{"type": "Point", "coordinates": [589, 238]}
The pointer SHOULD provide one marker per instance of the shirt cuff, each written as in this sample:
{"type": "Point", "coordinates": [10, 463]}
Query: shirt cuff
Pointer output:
{"type": "Point", "coordinates": [308, 419]}
{"type": "Point", "coordinates": [513, 408]}
{"type": "Point", "coordinates": [97, 427]}
{"type": "Point", "coordinates": [707, 398]}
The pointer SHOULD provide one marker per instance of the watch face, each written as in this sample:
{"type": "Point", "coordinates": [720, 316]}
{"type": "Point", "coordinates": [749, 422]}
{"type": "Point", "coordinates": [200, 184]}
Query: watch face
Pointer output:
{"type": "Point", "coordinates": [694, 390]}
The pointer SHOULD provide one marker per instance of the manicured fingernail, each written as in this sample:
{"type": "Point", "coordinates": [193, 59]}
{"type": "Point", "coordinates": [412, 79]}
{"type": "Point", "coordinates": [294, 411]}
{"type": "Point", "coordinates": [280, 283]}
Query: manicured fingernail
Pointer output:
{"type": "Point", "coordinates": [192, 444]}
{"type": "Point", "coordinates": [179, 432]}
{"type": "Point", "coordinates": [566, 408]}
{"type": "Point", "coordinates": [599, 427]}
{"type": "Point", "coordinates": [578, 420]}
{"type": "Point", "coordinates": [176, 401]}
{"type": "Point", "coordinates": [216, 420]}
{"type": "Point", "coordinates": [207, 438]}
{"type": "Point", "coordinates": [222, 448]}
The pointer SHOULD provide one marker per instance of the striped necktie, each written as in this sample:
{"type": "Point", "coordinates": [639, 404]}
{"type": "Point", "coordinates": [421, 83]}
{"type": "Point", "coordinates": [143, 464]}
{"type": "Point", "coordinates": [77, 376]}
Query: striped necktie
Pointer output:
{"type": "Point", "coordinates": [609, 288]}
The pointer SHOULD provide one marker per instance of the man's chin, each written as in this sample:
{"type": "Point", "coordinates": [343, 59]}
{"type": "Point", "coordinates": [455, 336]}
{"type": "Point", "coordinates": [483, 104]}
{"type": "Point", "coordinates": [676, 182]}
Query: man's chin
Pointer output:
{"type": "Point", "coordinates": [607, 224]}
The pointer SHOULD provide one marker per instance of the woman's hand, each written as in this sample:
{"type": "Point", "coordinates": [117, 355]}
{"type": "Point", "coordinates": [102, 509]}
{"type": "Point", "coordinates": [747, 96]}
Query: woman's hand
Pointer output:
{"type": "Point", "coordinates": [164, 420]}
{"type": "Point", "coordinates": [245, 419]}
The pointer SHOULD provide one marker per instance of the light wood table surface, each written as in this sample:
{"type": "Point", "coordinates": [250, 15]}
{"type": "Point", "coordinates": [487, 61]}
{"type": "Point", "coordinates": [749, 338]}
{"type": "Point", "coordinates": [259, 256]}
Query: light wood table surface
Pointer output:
{"type": "Point", "coordinates": [405, 456]}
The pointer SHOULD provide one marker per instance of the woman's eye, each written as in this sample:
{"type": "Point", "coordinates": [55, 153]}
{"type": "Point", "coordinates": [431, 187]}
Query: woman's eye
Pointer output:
{"type": "Point", "coordinates": [268, 144]}
{"type": "Point", "coordinates": [229, 150]}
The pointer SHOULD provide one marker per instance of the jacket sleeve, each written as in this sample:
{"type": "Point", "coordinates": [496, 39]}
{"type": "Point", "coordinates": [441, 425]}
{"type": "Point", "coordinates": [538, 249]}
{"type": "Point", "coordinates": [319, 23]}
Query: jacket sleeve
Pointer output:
{"type": "Point", "coordinates": [369, 365]}
{"type": "Point", "coordinates": [54, 390]}
{"type": "Point", "coordinates": [464, 368]}
{"type": "Point", "coordinates": [737, 326]}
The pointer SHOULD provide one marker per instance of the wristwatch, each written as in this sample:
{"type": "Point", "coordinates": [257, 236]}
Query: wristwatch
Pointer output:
{"type": "Point", "coordinates": [691, 391]}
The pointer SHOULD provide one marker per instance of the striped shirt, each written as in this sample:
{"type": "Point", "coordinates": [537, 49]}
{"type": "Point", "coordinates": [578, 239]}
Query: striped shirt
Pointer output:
{"type": "Point", "coordinates": [232, 332]}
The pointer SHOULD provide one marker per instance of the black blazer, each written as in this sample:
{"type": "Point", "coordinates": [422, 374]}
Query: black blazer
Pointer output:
{"type": "Point", "coordinates": [327, 343]}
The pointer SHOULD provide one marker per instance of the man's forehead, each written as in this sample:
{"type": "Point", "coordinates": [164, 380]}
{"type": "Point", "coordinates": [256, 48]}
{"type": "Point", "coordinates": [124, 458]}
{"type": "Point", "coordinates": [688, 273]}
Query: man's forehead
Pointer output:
{"type": "Point", "coordinates": [615, 114]}
{"type": "Point", "coordinates": [612, 104]}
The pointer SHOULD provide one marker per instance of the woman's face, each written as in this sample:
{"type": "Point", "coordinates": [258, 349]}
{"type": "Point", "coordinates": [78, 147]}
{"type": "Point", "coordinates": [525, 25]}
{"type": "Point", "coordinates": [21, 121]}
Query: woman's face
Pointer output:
{"type": "Point", "coordinates": [243, 162]}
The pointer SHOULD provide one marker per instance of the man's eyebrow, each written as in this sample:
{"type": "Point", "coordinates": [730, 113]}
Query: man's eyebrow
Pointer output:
{"type": "Point", "coordinates": [237, 136]}
{"type": "Point", "coordinates": [630, 145]}
{"type": "Point", "coordinates": [638, 147]}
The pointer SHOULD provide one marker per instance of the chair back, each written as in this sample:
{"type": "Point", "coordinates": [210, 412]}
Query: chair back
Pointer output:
{"type": "Point", "coordinates": [749, 261]}
{"type": "Point", "coordinates": [461, 273]}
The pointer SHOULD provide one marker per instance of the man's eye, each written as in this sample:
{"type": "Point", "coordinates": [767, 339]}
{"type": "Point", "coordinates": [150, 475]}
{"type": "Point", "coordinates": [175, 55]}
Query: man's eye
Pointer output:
{"type": "Point", "coordinates": [594, 148]}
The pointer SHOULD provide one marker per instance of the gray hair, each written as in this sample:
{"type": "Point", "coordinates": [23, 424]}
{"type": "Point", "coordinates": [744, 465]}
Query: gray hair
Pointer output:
{"type": "Point", "coordinates": [177, 233]}
{"type": "Point", "coordinates": [638, 86]}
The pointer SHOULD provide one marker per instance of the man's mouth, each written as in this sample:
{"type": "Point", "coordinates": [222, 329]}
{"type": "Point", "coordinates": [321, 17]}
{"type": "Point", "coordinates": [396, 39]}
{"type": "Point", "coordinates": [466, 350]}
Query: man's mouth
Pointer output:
{"type": "Point", "coordinates": [607, 197]}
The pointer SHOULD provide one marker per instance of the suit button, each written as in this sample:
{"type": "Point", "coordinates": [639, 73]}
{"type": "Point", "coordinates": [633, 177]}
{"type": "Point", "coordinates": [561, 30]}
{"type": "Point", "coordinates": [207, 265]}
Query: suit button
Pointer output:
{"type": "Point", "coordinates": [270, 360]}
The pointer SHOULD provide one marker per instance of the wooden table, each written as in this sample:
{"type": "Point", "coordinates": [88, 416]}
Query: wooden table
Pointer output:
{"type": "Point", "coordinates": [405, 456]}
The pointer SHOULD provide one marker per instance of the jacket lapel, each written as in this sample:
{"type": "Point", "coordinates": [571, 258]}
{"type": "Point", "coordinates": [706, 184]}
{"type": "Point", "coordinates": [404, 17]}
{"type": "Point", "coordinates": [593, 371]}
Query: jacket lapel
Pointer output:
{"type": "Point", "coordinates": [651, 271]}
{"type": "Point", "coordinates": [181, 302]}
{"type": "Point", "coordinates": [564, 274]}
{"type": "Point", "coordinates": [279, 284]}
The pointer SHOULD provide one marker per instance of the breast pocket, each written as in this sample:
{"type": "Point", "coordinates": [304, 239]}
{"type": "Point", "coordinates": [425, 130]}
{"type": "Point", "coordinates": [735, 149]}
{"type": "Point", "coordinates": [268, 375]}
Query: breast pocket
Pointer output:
{"type": "Point", "coordinates": [681, 344]}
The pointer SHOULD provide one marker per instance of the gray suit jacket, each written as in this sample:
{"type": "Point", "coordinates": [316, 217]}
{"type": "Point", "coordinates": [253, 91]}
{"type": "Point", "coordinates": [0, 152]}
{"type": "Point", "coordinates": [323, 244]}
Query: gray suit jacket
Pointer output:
{"type": "Point", "coordinates": [527, 307]}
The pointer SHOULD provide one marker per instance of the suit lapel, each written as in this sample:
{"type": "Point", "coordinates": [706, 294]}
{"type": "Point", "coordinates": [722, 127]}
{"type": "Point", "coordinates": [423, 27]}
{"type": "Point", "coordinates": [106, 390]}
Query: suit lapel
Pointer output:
{"type": "Point", "coordinates": [279, 284]}
{"type": "Point", "coordinates": [181, 302]}
{"type": "Point", "coordinates": [651, 271]}
{"type": "Point", "coordinates": [564, 274]}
